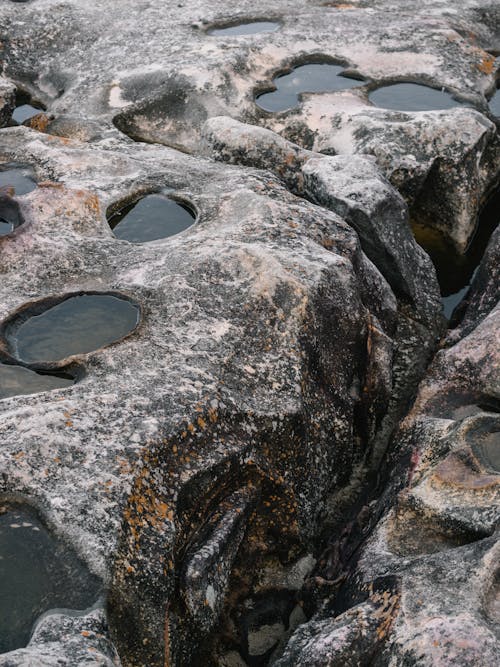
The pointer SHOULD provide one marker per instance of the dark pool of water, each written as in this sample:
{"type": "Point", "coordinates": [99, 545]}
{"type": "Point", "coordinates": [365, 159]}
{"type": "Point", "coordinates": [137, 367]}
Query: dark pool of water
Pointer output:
{"type": "Point", "coordinates": [17, 380]}
{"type": "Point", "coordinates": [18, 177]}
{"type": "Point", "coordinates": [37, 573]}
{"type": "Point", "coordinates": [454, 271]}
{"type": "Point", "coordinates": [77, 325]}
{"type": "Point", "coordinates": [311, 78]}
{"type": "Point", "coordinates": [247, 28]}
{"type": "Point", "coordinates": [412, 97]}
{"type": "Point", "coordinates": [23, 112]}
{"type": "Point", "coordinates": [10, 214]}
{"type": "Point", "coordinates": [495, 104]}
{"type": "Point", "coordinates": [151, 218]}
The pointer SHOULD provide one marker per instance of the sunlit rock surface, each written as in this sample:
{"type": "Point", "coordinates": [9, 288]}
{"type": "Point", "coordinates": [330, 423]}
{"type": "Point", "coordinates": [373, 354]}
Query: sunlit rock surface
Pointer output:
{"type": "Point", "coordinates": [200, 465]}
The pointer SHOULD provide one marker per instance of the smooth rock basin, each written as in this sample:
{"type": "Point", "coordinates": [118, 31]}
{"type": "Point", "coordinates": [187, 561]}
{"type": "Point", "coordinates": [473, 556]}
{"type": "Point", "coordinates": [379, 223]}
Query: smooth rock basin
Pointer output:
{"type": "Point", "coordinates": [412, 97]}
{"type": "Point", "coordinates": [19, 177]}
{"type": "Point", "coordinates": [77, 325]}
{"type": "Point", "coordinates": [38, 573]}
{"type": "Point", "coordinates": [23, 112]}
{"type": "Point", "coordinates": [246, 28]}
{"type": "Point", "coordinates": [151, 218]}
{"type": "Point", "coordinates": [17, 380]}
{"type": "Point", "coordinates": [311, 78]}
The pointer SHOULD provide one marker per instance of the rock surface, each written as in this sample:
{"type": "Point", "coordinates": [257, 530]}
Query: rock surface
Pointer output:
{"type": "Point", "coordinates": [197, 465]}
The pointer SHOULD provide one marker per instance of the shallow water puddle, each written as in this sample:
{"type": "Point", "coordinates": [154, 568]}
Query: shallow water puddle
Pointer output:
{"type": "Point", "coordinates": [455, 272]}
{"type": "Point", "coordinates": [77, 325]}
{"type": "Point", "coordinates": [10, 214]}
{"type": "Point", "coordinates": [37, 573]}
{"type": "Point", "coordinates": [412, 97]}
{"type": "Point", "coordinates": [247, 28]}
{"type": "Point", "coordinates": [17, 176]}
{"type": "Point", "coordinates": [23, 112]}
{"type": "Point", "coordinates": [151, 218]}
{"type": "Point", "coordinates": [311, 78]}
{"type": "Point", "coordinates": [494, 104]}
{"type": "Point", "coordinates": [17, 380]}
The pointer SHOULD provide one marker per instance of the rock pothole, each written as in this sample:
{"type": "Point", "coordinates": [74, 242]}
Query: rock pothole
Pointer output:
{"type": "Point", "coordinates": [54, 329]}
{"type": "Point", "coordinates": [151, 218]}
{"type": "Point", "coordinates": [455, 271]}
{"type": "Point", "coordinates": [26, 108]}
{"type": "Point", "coordinates": [18, 380]}
{"type": "Point", "coordinates": [17, 177]}
{"type": "Point", "coordinates": [413, 97]}
{"type": "Point", "coordinates": [38, 573]}
{"type": "Point", "coordinates": [240, 28]}
{"type": "Point", "coordinates": [313, 77]}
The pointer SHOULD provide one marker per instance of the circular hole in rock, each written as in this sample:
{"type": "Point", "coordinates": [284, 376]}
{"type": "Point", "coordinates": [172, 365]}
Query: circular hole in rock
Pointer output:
{"type": "Point", "coordinates": [76, 325]}
{"type": "Point", "coordinates": [310, 78]}
{"type": "Point", "coordinates": [17, 381]}
{"type": "Point", "coordinates": [244, 28]}
{"type": "Point", "coordinates": [413, 97]}
{"type": "Point", "coordinates": [151, 218]}
{"type": "Point", "coordinates": [37, 573]}
{"type": "Point", "coordinates": [17, 177]}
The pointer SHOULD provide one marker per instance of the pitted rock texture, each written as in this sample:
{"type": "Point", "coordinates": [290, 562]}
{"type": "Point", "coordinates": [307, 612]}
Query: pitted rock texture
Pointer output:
{"type": "Point", "coordinates": [193, 464]}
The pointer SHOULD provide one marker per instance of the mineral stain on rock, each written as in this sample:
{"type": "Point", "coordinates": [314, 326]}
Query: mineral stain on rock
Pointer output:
{"type": "Point", "coordinates": [412, 97]}
{"type": "Point", "coordinates": [38, 572]}
{"type": "Point", "coordinates": [244, 28]}
{"type": "Point", "coordinates": [151, 218]}
{"type": "Point", "coordinates": [75, 325]}
{"type": "Point", "coordinates": [18, 177]}
{"type": "Point", "coordinates": [309, 78]}
{"type": "Point", "coordinates": [17, 380]}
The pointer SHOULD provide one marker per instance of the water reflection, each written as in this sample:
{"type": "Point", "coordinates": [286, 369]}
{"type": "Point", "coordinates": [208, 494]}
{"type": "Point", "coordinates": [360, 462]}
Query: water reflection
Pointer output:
{"type": "Point", "coordinates": [412, 97]}
{"type": "Point", "coordinates": [37, 573]}
{"type": "Point", "coordinates": [151, 218]}
{"type": "Point", "coordinates": [77, 325]}
{"type": "Point", "coordinates": [311, 78]}
{"type": "Point", "coordinates": [17, 380]}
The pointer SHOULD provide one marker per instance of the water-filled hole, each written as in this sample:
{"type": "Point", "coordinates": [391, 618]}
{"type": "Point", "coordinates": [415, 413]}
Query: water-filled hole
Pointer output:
{"type": "Point", "coordinates": [244, 28]}
{"type": "Point", "coordinates": [18, 380]}
{"type": "Point", "coordinates": [455, 271]}
{"type": "Point", "coordinates": [412, 97]}
{"type": "Point", "coordinates": [18, 177]}
{"type": "Point", "coordinates": [10, 214]}
{"type": "Point", "coordinates": [309, 78]}
{"type": "Point", "coordinates": [75, 325]}
{"type": "Point", "coordinates": [37, 573]}
{"type": "Point", "coordinates": [26, 107]}
{"type": "Point", "coordinates": [494, 104]}
{"type": "Point", "coordinates": [151, 218]}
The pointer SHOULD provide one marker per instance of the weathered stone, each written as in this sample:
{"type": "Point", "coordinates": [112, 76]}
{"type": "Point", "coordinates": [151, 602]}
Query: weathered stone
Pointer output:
{"type": "Point", "coordinates": [255, 402]}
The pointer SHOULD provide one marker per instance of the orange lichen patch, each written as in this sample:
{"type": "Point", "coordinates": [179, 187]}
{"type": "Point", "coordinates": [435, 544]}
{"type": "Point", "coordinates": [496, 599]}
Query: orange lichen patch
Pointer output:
{"type": "Point", "coordinates": [18, 456]}
{"type": "Point", "coordinates": [454, 472]}
{"type": "Point", "coordinates": [51, 184]}
{"type": "Point", "coordinates": [39, 122]}
{"type": "Point", "coordinates": [85, 633]}
{"type": "Point", "coordinates": [487, 64]}
{"type": "Point", "coordinates": [388, 602]}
